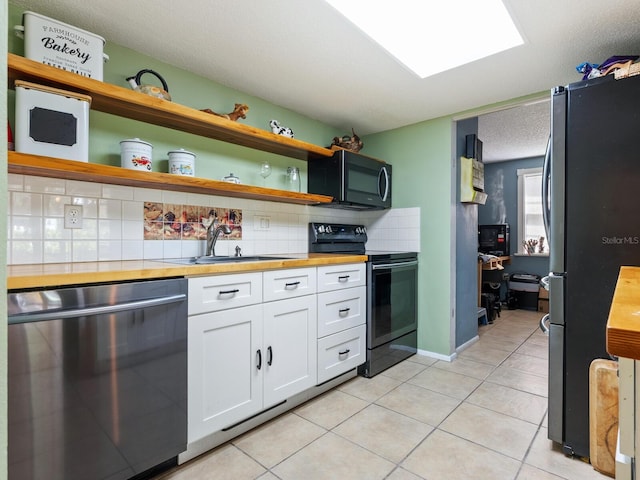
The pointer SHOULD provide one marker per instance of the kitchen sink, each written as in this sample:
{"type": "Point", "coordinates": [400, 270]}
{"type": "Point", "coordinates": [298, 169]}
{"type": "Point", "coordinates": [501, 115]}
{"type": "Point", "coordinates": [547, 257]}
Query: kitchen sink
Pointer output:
{"type": "Point", "coordinates": [206, 260]}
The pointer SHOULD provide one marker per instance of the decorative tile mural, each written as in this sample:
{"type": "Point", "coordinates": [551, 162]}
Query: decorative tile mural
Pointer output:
{"type": "Point", "coordinates": [166, 221]}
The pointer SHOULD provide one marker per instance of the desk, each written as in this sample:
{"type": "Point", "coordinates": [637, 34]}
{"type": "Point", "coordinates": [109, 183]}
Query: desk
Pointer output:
{"type": "Point", "coordinates": [495, 263]}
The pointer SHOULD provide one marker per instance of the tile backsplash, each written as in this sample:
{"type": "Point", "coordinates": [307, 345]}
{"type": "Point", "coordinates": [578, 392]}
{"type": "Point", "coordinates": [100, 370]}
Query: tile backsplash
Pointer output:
{"type": "Point", "coordinates": [167, 221]}
{"type": "Point", "coordinates": [113, 226]}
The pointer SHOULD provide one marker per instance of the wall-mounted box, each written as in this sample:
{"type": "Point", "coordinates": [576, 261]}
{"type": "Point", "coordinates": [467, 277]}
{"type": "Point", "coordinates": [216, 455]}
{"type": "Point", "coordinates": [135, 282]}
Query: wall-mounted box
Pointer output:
{"type": "Point", "coordinates": [472, 181]}
{"type": "Point", "coordinates": [51, 122]}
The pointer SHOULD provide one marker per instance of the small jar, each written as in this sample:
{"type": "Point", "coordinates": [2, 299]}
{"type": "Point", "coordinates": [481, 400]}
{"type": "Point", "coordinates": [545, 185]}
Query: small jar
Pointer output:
{"type": "Point", "coordinates": [135, 154]}
{"type": "Point", "coordinates": [231, 178]}
{"type": "Point", "coordinates": [182, 162]}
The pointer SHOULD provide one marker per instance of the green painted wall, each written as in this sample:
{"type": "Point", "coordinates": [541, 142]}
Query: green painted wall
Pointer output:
{"type": "Point", "coordinates": [422, 177]}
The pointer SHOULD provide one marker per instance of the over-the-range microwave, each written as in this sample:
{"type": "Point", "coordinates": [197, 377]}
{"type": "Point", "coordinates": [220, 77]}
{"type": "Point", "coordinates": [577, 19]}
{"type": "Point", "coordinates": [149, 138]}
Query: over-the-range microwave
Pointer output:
{"type": "Point", "coordinates": [354, 181]}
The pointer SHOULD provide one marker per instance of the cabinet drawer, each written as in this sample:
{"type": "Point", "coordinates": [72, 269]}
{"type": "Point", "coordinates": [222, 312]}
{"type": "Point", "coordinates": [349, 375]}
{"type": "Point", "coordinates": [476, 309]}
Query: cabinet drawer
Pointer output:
{"type": "Point", "coordinates": [340, 352]}
{"type": "Point", "coordinates": [219, 292]}
{"type": "Point", "coordinates": [295, 282]}
{"type": "Point", "coordinates": [334, 277]}
{"type": "Point", "coordinates": [341, 309]}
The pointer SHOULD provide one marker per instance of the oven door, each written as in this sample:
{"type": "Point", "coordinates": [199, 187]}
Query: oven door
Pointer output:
{"type": "Point", "coordinates": [392, 301]}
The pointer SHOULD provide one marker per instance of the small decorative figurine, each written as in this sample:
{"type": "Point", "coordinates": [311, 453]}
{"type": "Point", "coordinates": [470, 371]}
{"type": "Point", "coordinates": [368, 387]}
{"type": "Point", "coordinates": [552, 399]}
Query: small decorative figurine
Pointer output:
{"type": "Point", "coordinates": [240, 111]}
{"type": "Point", "coordinates": [349, 143]}
{"type": "Point", "coordinates": [284, 131]}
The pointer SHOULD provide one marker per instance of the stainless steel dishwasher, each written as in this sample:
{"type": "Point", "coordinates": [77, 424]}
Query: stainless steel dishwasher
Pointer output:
{"type": "Point", "coordinates": [97, 379]}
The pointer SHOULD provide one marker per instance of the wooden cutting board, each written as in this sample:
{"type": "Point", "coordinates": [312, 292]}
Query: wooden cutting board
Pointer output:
{"type": "Point", "coordinates": [603, 415]}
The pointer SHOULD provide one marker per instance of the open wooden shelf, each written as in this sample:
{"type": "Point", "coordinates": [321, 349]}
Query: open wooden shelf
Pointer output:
{"type": "Point", "coordinates": [125, 102]}
{"type": "Point", "coordinates": [27, 164]}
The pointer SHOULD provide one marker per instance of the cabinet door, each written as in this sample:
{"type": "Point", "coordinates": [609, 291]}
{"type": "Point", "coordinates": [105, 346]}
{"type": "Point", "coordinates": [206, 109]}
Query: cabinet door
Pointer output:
{"type": "Point", "coordinates": [225, 384]}
{"type": "Point", "coordinates": [290, 348]}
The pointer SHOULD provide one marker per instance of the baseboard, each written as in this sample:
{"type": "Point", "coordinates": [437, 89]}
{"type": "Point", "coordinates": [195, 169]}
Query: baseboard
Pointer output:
{"type": "Point", "coordinates": [437, 356]}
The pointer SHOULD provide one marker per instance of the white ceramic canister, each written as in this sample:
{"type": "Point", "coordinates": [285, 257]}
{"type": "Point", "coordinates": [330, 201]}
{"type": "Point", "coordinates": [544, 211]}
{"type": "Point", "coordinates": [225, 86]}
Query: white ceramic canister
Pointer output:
{"type": "Point", "coordinates": [182, 162]}
{"type": "Point", "coordinates": [136, 154]}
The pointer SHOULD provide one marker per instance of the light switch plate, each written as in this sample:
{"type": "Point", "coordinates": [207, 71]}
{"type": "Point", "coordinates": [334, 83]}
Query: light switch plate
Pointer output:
{"type": "Point", "coordinates": [261, 222]}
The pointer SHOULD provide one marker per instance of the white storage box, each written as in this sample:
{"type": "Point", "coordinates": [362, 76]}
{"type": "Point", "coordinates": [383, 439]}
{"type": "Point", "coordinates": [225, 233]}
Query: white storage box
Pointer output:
{"type": "Point", "coordinates": [51, 122]}
{"type": "Point", "coordinates": [62, 46]}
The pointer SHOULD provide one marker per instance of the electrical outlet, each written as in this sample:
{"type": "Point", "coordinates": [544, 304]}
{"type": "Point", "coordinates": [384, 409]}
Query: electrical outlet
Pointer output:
{"type": "Point", "coordinates": [73, 216]}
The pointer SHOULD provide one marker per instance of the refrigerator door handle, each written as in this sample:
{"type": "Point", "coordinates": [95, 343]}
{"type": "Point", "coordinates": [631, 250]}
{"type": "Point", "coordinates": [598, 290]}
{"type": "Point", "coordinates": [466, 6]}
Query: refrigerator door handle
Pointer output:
{"type": "Point", "coordinates": [546, 181]}
{"type": "Point", "coordinates": [544, 324]}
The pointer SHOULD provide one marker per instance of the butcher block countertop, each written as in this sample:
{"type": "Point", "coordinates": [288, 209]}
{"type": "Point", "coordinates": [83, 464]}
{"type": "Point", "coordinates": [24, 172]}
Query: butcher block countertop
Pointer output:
{"type": "Point", "coordinates": [57, 274]}
{"type": "Point", "coordinates": [623, 325]}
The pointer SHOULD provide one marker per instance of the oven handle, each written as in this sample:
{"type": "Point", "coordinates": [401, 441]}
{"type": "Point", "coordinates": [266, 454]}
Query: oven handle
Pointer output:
{"type": "Point", "coordinates": [83, 312]}
{"type": "Point", "coordinates": [394, 265]}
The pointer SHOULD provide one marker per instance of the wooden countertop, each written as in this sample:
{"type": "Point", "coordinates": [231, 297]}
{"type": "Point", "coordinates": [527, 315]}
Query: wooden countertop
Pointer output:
{"type": "Point", "coordinates": [57, 274]}
{"type": "Point", "coordinates": [623, 325]}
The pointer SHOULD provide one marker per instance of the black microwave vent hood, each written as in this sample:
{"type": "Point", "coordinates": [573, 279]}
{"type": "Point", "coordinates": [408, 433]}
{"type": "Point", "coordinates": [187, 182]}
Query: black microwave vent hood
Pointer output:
{"type": "Point", "coordinates": [355, 181]}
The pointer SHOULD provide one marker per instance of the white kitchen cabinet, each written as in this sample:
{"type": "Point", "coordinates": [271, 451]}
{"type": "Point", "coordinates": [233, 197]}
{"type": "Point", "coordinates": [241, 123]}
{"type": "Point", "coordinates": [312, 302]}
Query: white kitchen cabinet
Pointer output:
{"type": "Point", "coordinates": [224, 384]}
{"type": "Point", "coordinates": [290, 362]}
{"type": "Point", "coordinates": [341, 319]}
{"type": "Point", "coordinates": [244, 359]}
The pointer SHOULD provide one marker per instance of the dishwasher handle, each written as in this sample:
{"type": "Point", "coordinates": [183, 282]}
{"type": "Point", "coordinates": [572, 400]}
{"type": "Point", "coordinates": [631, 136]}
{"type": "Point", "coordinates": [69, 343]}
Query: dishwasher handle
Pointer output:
{"type": "Point", "coordinates": [104, 309]}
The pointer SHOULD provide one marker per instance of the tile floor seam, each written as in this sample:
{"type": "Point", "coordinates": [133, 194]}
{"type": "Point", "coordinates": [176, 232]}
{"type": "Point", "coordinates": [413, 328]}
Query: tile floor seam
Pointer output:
{"type": "Point", "coordinates": [269, 469]}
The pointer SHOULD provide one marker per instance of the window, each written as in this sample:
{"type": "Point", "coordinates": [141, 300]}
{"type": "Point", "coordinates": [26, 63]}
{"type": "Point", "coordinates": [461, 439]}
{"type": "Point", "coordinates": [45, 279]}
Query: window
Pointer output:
{"type": "Point", "coordinates": [532, 238]}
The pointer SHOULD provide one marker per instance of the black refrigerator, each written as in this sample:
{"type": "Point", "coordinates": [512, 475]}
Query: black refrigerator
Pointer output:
{"type": "Point", "coordinates": [591, 192]}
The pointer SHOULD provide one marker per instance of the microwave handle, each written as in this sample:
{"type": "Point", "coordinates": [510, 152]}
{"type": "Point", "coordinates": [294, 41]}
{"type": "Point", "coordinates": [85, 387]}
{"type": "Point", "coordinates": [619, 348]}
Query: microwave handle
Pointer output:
{"type": "Point", "coordinates": [383, 171]}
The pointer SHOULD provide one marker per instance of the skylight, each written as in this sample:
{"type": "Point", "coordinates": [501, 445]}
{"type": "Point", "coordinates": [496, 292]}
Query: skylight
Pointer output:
{"type": "Point", "coordinates": [430, 37]}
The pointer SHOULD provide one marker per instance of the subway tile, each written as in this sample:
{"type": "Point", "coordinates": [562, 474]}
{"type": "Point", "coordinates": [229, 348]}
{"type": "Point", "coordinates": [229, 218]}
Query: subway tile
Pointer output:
{"type": "Point", "coordinates": [56, 251]}
{"type": "Point", "coordinates": [109, 229]}
{"type": "Point", "coordinates": [132, 249]}
{"type": "Point", "coordinates": [26, 251]}
{"type": "Point", "coordinates": [118, 192]}
{"type": "Point", "coordinates": [26, 203]}
{"type": "Point", "coordinates": [53, 205]}
{"type": "Point", "coordinates": [82, 189]}
{"type": "Point", "coordinates": [44, 185]}
{"type": "Point", "coordinates": [109, 209]}
{"type": "Point", "coordinates": [84, 251]}
{"type": "Point", "coordinates": [109, 250]}
{"type": "Point", "coordinates": [15, 182]}
{"type": "Point", "coordinates": [54, 229]}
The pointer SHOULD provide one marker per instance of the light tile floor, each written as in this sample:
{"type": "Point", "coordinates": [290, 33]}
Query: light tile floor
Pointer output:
{"type": "Point", "coordinates": [481, 416]}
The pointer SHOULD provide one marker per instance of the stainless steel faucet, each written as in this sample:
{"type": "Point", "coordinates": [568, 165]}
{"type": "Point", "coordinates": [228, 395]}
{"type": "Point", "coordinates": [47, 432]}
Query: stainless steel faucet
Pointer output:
{"type": "Point", "coordinates": [212, 235]}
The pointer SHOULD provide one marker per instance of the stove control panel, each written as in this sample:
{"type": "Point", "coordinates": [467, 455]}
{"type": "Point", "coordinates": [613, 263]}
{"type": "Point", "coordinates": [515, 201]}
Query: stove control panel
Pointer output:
{"type": "Point", "coordinates": [335, 237]}
{"type": "Point", "coordinates": [338, 232]}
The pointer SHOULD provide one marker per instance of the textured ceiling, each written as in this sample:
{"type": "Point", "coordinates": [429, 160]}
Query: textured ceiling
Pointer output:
{"type": "Point", "coordinates": [304, 56]}
{"type": "Point", "coordinates": [519, 132]}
